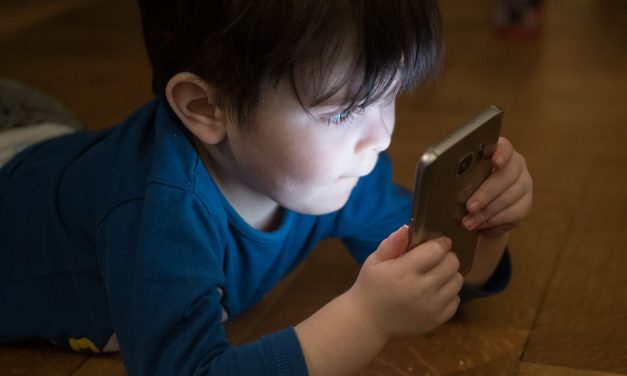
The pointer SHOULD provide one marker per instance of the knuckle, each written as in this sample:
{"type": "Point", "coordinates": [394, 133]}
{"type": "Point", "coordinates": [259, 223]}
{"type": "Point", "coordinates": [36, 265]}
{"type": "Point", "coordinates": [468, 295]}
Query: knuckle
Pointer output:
{"type": "Point", "coordinates": [481, 198]}
{"type": "Point", "coordinates": [454, 261]}
{"type": "Point", "coordinates": [519, 170]}
{"type": "Point", "coordinates": [529, 184]}
{"type": "Point", "coordinates": [448, 244]}
{"type": "Point", "coordinates": [459, 280]}
{"type": "Point", "coordinates": [488, 222]}
{"type": "Point", "coordinates": [457, 303]}
{"type": "Point", "coordinates": [484, 215]}
{"type": "Point", "coordinates": [441, 246]}
{"type": "Point", "coordinates": [520, 191]}
{"type": "Point", "coordinates": [451, 309]}
{"type": "Point", "coordinates": [504, 141]}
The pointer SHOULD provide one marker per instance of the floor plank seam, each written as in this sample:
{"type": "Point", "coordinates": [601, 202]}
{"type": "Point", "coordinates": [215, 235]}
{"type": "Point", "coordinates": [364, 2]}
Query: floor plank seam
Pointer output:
{"type": "Point", "coordinates": [552, 275]}
{"type": "Point", "coordinates": [563, 369]}
{"type": "Point", "coordinates": [545, 293]}
{"type": "Point", "coordinates": [80, 366]}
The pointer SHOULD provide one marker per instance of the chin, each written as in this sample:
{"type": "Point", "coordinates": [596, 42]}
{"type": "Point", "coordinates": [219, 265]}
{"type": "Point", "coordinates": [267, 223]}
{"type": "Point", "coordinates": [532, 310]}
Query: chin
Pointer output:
{"type": "Point", "coordinates": [320, 210]}
{"type": "Point", "coordinates": [321, 206]}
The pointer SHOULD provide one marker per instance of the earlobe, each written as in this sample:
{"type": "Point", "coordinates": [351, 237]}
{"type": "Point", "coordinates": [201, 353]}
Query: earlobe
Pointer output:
{"type": "Point", "coordinates": [194, 103]}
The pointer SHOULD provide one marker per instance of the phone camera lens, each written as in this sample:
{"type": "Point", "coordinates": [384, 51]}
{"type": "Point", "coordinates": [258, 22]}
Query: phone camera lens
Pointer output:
{"type": "Point", "coordinates": [464, 164]}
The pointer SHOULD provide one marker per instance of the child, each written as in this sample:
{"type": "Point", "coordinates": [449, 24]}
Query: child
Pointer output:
{"type": "Point", "coordinates": [266, 135]}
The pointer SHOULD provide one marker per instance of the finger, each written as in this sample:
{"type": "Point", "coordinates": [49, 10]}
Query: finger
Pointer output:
{"type": "Point", "coordinates": [450, 309]}
{"type": "Point", "coordinates": [425, 256]}
{"type": "Point", "coordinates": [444, 271]}
{"type": "Point", "coordinates": [514, 193]}
{"type": "Point", "coordinates": [452, 287]}
{"type": "Point", "coordinates": [512, 215]}
{"type": "Point", "coordinates": [392, 246]}
{"type": "Point", "coordinates": [498, 182]}
{"type": "Point", "coordinates": [493, 187]}
{"type": "Point", "coordinates": [503, 153]}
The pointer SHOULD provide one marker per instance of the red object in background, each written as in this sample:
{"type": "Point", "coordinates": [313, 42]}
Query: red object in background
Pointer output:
{"type": "Point", "coordinates": [518, 19]}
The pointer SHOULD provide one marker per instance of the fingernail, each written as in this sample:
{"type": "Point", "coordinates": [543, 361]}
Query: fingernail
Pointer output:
{"type": "Point", "coordinates": [448, 242]}
{"type": "Point", "coordinates": [396, 233]}
{"type": "Point", "coordinates": [473, 206]}
{"type": "Point", "coordinates": [468, 222]}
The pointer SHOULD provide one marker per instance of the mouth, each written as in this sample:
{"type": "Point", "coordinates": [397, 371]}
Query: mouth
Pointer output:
{"type": "Point", "coordinates": [354, 178]}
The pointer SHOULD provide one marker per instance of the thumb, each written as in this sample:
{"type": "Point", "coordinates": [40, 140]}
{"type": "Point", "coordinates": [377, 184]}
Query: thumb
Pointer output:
{"type": "Point", "coordinates": [393, 246]}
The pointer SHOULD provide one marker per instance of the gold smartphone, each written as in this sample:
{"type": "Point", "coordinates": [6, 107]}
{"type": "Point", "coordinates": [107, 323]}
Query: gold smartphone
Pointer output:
{"type": "Point", "coordinates": [447, 174]}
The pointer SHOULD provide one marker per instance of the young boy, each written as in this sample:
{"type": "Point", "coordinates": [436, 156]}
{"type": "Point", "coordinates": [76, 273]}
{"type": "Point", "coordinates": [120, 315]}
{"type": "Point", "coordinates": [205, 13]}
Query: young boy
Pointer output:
{"type": "Point", "coordinates": [266, 135]}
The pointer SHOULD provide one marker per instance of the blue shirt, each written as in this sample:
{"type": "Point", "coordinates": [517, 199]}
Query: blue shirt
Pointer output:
{"type": "Point", "coordinates": [124, 231]}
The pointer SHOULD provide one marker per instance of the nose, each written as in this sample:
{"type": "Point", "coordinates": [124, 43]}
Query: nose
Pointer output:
{"type": "Point", "coordinates": [377, 128]}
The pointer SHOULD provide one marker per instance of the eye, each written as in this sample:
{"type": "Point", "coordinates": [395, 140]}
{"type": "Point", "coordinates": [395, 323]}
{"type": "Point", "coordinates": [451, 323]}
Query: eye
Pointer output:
{"type": "Point", "coordinates": [340, 118]}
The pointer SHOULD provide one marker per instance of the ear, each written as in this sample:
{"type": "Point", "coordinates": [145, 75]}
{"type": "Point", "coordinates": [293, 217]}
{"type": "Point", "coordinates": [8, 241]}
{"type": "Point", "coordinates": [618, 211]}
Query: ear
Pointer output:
{"type": "Point", "coordinates": [194, 102]}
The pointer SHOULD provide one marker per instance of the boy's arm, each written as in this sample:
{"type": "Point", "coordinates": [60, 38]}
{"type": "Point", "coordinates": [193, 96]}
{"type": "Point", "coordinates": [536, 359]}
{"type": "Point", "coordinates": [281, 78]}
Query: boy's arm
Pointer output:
{"type": "Point", "coordinates": [162, 284]}
{"type": "Point", "coordinates": [396, 294]}
{"type": "Point", "coordinates": [488, 255]}
{"type": "Point", "coordinates": [339, 339]}
{"type": "Point", "coordinates": [491, 271]}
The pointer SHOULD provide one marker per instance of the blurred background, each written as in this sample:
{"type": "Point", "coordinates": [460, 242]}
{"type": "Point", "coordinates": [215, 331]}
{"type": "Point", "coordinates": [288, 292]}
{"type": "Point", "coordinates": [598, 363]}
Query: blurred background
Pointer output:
{"type": "Point", "coordinates": [563, 87]}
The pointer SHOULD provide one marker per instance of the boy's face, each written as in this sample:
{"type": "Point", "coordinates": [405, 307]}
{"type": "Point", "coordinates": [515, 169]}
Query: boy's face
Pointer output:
{"type": "Point", "coordinates": [307, 162]}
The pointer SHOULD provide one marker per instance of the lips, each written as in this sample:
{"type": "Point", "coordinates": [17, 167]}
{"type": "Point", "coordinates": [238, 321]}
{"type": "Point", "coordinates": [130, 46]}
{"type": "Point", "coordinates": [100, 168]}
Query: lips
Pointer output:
{"type": "Point", "coordinates": [365, 169]}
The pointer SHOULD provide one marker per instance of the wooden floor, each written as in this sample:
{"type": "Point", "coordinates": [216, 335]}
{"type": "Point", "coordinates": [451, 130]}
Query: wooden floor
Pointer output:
{"type": "Point", "coordinates": [565, 101]}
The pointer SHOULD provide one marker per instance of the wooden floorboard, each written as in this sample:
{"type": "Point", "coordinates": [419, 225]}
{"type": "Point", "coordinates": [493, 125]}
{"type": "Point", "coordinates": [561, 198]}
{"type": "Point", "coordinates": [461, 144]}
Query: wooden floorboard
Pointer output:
{"type": "Point", "coordinates": [21, 15]}
{"type": "Point", "coordinates": [38, 361]}
{"type": "Point", "coordinates": [101, 365]}
{"type": "Point", "coordinates": [564, 96]}
{"type": "Point", "coordinates": [534, 369]}
{"type": "Point", "coordinates": [581, 321]}
{"type": "Point", "coordinates": [90, 57]}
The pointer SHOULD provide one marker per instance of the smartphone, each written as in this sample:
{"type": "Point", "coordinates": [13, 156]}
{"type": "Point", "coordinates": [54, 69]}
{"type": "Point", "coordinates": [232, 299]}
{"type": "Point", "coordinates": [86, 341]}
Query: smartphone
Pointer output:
{"type": "Point", "coordinates": [447, 174]}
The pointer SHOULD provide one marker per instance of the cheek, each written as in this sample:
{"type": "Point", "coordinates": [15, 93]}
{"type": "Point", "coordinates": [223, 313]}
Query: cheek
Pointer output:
{"type": "Point", "coordinates": [315, 163]}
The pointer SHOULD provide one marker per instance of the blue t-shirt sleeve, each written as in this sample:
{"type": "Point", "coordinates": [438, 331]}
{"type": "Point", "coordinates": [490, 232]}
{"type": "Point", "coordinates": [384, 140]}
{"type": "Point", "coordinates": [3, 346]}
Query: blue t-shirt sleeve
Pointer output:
{"type": "Point", "coordinates": [162, 269]}
{"type": "Point", "coordinates": [497, 283]}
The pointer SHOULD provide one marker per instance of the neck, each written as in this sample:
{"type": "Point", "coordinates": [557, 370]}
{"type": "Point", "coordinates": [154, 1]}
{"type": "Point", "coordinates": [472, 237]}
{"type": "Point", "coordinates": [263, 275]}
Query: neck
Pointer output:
{"type": "Point", "coordinates": [258, 210]}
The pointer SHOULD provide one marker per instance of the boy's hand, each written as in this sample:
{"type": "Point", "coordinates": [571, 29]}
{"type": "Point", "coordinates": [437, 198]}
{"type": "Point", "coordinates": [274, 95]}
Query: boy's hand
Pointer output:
{"type": "Point", "coordinates": [503, 201]}
{"type": "Point", "coordinates": [408, 293]}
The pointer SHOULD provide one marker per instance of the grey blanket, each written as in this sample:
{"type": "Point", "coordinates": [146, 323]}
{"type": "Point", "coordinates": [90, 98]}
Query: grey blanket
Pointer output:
{"type": "Point", "coordinates": [22, 105]}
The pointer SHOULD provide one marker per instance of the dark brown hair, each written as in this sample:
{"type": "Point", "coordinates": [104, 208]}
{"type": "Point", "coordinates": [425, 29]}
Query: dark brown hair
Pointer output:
{"type": "Point", "coordinates": [244, 47]}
